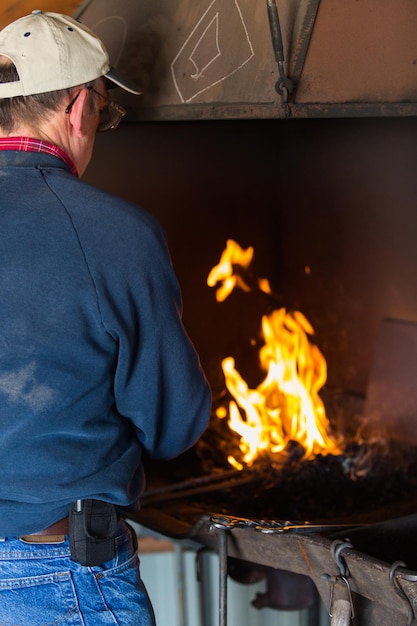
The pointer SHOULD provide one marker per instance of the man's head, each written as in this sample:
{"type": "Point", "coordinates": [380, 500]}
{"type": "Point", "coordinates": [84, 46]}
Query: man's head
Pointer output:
{"type": "Point", "coordinates": [54, 75]}
{"type": "Point", "coordinates": [52, 52]}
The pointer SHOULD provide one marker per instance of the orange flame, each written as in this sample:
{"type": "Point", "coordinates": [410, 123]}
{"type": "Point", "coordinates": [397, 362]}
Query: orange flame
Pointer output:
{"type": "Point", "coordinates": [286, 405]}
{"type": "Point", "coordinates": [232, 257]}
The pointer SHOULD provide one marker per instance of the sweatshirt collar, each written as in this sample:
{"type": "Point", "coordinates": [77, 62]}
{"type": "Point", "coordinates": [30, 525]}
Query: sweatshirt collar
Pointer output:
{"type": "Point", "coordinates": [28, 144]}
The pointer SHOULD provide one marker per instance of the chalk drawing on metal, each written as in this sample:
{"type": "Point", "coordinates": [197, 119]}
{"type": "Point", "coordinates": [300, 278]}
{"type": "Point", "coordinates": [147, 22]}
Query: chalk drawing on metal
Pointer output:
{"type": "Point", "coordinates": [217, 47]}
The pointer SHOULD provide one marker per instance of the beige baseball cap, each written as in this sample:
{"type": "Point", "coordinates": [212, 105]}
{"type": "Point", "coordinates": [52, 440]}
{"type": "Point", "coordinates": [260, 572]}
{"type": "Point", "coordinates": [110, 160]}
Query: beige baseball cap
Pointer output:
{"type": "Point", "coordinates": [52, 51]}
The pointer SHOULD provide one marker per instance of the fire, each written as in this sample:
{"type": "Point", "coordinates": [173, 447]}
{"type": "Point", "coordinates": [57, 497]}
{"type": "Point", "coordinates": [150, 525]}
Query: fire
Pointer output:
{"type": "Point", "coordinates": [225, 272]}
{"type": "Point", "coordinates": [286, 405]}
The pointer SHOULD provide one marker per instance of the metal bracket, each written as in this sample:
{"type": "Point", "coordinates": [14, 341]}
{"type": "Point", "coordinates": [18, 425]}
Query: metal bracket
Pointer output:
{"type": "Point", "coordinates": [284, 85]}
{"type": "Point", "coordinates": [400, 591]}
{"type": "Point", "coordinates": [302, 31]}
{"type": "Point", "coordinates": [333, 581]}
{"type": "Point", "coordinates": [335, 549]}
{"type": "Point", "coordinates": [342, 609]}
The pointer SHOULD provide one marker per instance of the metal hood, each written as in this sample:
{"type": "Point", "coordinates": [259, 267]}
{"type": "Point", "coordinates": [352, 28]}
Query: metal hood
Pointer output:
{"type": "Point", "coordinates": [235, 59]}
{"type": "Point", "coordinates": [252, 59]}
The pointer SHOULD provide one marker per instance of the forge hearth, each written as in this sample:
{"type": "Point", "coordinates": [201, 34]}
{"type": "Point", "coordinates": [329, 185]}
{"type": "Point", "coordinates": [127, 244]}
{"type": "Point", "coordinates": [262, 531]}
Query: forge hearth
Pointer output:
{"type": "Point", "coordinates": [342, 522]}
{"type": "Point", "coordinates": [374, 564]}
{"type": "Point", "coordinates": [306, 523]}
{"type": "Point", "coordinates": [366, 485]}
{"type": "Point", "coordinates": [372, 479]}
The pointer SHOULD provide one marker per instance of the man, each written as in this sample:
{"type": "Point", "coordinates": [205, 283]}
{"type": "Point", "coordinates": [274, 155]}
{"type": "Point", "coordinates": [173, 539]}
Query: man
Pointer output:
{"type": "Point", "coordinates": [95, 365]}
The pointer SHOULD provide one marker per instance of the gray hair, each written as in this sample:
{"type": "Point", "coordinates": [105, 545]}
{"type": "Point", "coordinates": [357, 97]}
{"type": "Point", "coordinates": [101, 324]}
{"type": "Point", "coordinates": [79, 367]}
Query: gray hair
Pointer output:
{"type": "Point", "coordinates": [31, 109]}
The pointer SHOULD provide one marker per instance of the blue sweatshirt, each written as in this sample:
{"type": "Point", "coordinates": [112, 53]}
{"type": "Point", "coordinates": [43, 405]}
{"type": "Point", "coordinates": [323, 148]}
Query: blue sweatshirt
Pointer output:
{"type": "Point", "coordinates": [95, 364]}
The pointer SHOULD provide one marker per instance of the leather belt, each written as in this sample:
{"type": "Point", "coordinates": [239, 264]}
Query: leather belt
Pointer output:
{"type": "Point", "coordinates": [53, 534]}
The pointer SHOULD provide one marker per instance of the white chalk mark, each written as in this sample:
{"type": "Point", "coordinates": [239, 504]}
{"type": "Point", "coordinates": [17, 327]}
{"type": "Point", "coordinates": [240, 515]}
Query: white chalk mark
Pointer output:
{"type": "Point", "coordinates": [199, 71]}
{"type": "Point", "coordinates": [214, 24]}
{"type": "Point", "coordinates": [112, 30]}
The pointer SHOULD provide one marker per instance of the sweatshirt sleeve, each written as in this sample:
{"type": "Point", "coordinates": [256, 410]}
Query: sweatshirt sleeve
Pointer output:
{"type": "Point", "coordinates": [159, 384]}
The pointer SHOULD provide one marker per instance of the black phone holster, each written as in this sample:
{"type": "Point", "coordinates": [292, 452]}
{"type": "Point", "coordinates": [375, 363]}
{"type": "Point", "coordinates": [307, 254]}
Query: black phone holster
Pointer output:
{"type": "Point", "coordinates": [92, 529]}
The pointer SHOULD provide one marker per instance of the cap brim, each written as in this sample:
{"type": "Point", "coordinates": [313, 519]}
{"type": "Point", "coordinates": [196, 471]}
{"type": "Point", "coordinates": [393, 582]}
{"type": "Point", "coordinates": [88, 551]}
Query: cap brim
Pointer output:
{"type": "Point", "coordinates": [119, 81]}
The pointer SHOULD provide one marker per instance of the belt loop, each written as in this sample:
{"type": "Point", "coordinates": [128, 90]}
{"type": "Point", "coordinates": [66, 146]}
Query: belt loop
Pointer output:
{"type": "Point", "coordinates": [133, 535]}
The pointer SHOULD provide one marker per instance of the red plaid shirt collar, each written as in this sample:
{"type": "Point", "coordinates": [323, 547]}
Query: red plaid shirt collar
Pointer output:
{"type": "Point", "coordinates": [28, 144]}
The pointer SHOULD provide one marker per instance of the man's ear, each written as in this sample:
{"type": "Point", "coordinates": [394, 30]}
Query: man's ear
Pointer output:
{"type": "Point", "coordinates": [77, 117]}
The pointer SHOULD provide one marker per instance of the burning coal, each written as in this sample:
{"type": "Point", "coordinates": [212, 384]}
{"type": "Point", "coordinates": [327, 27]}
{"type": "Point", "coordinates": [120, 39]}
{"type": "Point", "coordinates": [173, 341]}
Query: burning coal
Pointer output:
{"type": "Point", "coordinates": [286, 406]}
{"type": "Point", "coordinates": [286, 463]}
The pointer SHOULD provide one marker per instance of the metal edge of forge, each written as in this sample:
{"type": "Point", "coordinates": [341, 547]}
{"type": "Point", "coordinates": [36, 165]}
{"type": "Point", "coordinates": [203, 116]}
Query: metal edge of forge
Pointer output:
{"type": "Point", "coordinates": [391, 589]}
{"type": "Point", "coordinates": [248, 111]}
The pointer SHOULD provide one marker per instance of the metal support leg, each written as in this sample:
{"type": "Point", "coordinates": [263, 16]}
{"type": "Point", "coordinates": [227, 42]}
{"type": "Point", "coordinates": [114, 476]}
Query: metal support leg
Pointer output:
{"type": "Point", "coordinates": [222, 535]}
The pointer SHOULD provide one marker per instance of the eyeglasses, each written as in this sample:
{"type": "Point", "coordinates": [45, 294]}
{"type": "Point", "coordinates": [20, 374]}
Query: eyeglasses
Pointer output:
{"type": "Point", "coordinates": [111, 113]}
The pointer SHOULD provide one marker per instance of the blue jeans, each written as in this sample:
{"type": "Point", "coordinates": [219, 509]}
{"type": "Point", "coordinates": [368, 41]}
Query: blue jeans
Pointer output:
{"type": "Point", "coordinates": [41, 586]}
